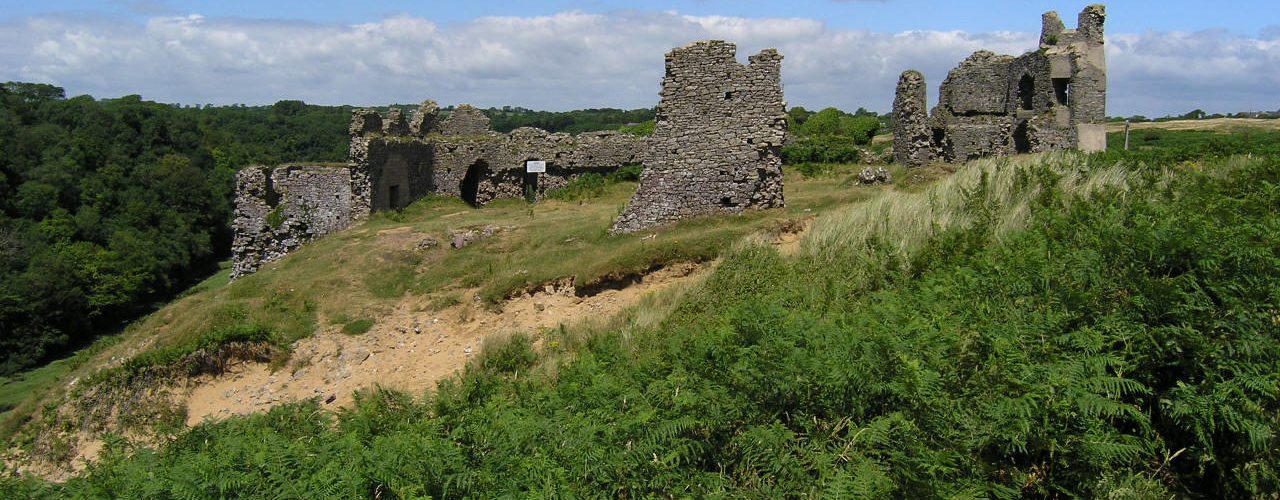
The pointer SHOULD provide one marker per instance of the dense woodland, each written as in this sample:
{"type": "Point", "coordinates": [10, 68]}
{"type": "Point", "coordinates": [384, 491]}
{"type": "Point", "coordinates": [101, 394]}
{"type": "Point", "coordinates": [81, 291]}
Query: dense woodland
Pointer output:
{"type": "Point", "coordinates": [108, 207]}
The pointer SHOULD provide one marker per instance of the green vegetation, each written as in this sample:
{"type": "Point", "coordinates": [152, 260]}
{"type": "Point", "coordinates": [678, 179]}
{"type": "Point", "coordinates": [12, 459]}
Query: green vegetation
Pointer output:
{"type": "Point", "coordinates": [368, 271]}
{"type": "Point", "coordinates": [108, 207]}
{"type": "Point", "coordinates": [591, 185]}
{"type": "Point", "coordinates": [1161, 146]}
{"type": "Point", "coordinates": [1050, 325]}
{"type": "Point", "coordinates": [642, 129]}
{"type": "Point", "coordinates": [829, 136]}
{"type": "Point", "coordinates": [358, 326]}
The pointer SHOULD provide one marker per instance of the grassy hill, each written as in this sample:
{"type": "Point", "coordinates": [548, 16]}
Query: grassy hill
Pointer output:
{"type": "Point", "coordinates": [1045, 325]}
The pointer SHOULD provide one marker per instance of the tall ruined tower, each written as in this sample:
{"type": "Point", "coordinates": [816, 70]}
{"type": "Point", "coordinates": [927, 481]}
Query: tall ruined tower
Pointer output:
{"type": "Point", "coordinates": [716, 140]}
{"type": "Point", "coordinates": [1078, 71]}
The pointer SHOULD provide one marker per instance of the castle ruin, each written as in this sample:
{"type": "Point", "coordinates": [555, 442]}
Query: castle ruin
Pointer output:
{"type": "Point", "coordinates": [993, 105]}
{"type": "Point", "coordinates": [716, 140]}
{"type": "Point", "coordinates": [715, 149]}
{"type": "Point", "coordinates": [393, 161]}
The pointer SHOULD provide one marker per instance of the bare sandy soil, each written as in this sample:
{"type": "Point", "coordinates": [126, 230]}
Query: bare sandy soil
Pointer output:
{"type": "Point", "coordinates": [405, 350]}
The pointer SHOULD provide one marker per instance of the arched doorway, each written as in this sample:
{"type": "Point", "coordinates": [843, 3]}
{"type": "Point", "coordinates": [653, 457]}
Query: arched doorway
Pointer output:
{"type": "Point", "coordinates": [470, 186]}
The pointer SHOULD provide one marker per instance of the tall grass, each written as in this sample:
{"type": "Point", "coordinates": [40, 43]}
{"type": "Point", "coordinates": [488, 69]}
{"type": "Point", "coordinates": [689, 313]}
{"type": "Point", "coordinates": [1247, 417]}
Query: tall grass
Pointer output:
{"type": "Point", "coordinates": [1004, 186]}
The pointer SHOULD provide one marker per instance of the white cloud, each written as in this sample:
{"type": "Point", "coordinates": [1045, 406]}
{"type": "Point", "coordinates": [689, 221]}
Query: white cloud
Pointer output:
{"type": "Point", "coordinates": [575, 60]}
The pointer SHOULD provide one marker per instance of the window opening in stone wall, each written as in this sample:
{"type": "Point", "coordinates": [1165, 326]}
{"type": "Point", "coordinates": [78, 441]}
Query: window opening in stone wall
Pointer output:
{"type": "Point", "coordinates": [470, 185]}
{"type": "Point", "coordinates": [1062, 90]}
{"type": "Point", "coordinates": [1027, 91]}
{"type": "Point", "coordinates": [728, 95]}
{"type": "Point", "coordinates": [273, 196]}
{"type": "Point", "coordinates": [393, 196]}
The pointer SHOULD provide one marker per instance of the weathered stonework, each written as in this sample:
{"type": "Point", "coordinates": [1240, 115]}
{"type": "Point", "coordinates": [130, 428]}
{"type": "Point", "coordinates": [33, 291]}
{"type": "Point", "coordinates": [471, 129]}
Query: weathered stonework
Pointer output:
{"type": "Point", "coordinates": [465, 120]}
{"type": "Point", "coordinates": [278, 209]}
{"type": "Point", "coordinates": [714, 150]}
{"type": "Point", "coordinates": [911, 136]}
{"type": "Point", "coordinates": [716, 139]}
{"type": "Point", "coordinates": [393, 161]}
{"type": "Point", "coordinates": [991, 105]}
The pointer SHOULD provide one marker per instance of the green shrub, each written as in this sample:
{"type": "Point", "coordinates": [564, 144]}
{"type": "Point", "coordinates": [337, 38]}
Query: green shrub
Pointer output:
{"type": "Point", "coordinates": [626, 173]}
{"type": "Point", "coordinates": [824, 149]}
{"type": "Point", "coordinates": [833, 122]}
{"type": "Point", "coordinates": [358, 326]}
{"type": "Point", "coordinates": [584, 186]}
{"type": "Point", "coordinates": [275, 218]}
{"type": "Point", "coordinates": [644, 128]}
{"type": "Point", "coordinates": [507, 354]}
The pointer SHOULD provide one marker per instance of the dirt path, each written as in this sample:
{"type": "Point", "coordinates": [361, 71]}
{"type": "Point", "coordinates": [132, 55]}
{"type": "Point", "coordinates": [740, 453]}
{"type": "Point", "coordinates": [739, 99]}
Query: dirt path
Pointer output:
{"type": "Point", "coordinates": [406, 350]}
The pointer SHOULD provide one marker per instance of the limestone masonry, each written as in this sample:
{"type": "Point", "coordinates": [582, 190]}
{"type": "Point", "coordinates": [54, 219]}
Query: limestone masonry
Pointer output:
{"type": "Point", "coordinates": [716, 140]}
{"type": "Point", "coordinates": [393, 161]}
{"type": "Point", "coordinates": [1052, 98]}
{"type": "Point", "coordinates": [714, 150]}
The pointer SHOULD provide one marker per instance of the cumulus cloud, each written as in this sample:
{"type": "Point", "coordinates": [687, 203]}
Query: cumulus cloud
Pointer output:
{"type": "Point", "coordinates": [574, 60]}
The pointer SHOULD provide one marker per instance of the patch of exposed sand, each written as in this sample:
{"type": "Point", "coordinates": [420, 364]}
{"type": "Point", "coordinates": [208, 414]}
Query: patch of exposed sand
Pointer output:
{"type": "Point", "coordinates": [407, 350]}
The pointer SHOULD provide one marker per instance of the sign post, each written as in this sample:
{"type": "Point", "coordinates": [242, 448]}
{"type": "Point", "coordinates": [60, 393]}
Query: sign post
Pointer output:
{"type": "Point", "coordinates": [535, 166]}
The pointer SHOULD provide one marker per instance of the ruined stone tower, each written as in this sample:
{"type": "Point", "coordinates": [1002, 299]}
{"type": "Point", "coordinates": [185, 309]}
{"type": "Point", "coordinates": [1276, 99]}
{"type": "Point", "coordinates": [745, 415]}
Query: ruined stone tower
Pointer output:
{"type": "Point", "coordinates": [715, 144]}
{"type": "Point", "coordinates": [1052, 98]}
{"type": "Point", "coordinates": [911, 136]}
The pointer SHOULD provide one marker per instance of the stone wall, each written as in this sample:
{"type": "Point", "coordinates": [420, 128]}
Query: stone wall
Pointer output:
{"type": "Point", "coordinates": [394, 160]}
{"type": "Point", "coordinates": [480, 165]}
{"type": "Point", "coordinates": [465, 120]}
{"type": "Point", "coordinates": [715, 144]}
{"type": "Point", "coordinates": [279, 209]}
{"type": "Point", "coordinates": [714, 150]}
{"type": "Point", "coordinates": [990, 105]}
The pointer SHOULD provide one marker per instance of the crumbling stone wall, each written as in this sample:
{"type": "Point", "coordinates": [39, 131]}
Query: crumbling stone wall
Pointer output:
{"type": "Point", "coordinates": [393, 161]}
{"type": "Point", "coordinates": [990, 105]}
{"type": "Point", "coordinates": [465, 120]}
{"type": "Point", "coordinates": [715, 145]}
{"type": "Point", "coordinates": [481, 168]}
{"type": "Point", "coordinates": [279, 209]}
{"type": "Point", "coordinates": [714, 150]}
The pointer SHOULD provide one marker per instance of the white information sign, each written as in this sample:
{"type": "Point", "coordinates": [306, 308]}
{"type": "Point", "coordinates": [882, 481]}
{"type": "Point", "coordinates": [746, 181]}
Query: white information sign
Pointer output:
{"type": "Point", "coordinates": [535, 166]}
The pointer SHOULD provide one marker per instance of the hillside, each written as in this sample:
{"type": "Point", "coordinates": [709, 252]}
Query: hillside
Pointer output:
{"type": "Point", "coordinates": [547, 265]}
{"type": "Point", "coordinates": [1042, 325]}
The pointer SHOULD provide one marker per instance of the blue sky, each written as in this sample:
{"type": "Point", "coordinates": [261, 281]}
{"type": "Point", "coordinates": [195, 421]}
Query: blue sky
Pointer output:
{"type": "Point", "coordinates": [1165, 57]}
{"type": "Point", "coordinates": [1242, 17]}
